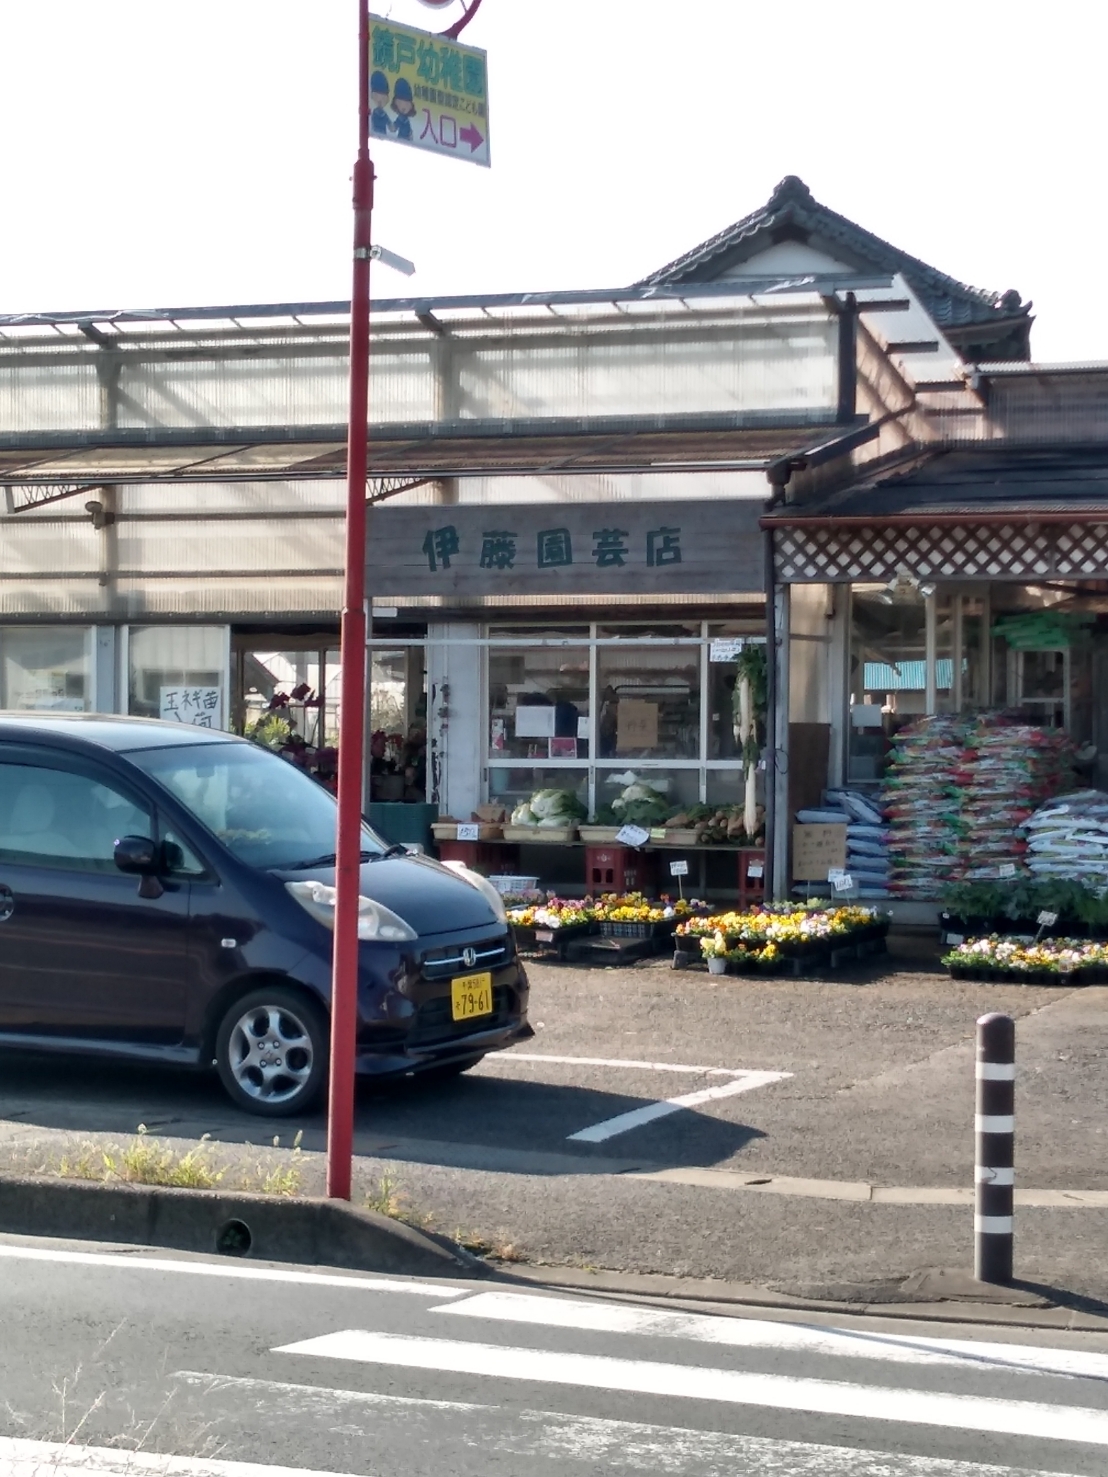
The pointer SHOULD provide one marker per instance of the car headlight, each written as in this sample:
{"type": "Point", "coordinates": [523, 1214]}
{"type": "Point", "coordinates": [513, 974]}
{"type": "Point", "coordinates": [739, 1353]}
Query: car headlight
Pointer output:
{"type": "Point", "coordinates": [483, 886]}
{"type": "Point", "coordinates": [375, 921]}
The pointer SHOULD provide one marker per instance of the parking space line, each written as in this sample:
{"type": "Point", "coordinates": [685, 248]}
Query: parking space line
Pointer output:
{"type": "Point", "coordinates": [624, 1122]}
{"type": "Point", "coordinates": [600, 1061]}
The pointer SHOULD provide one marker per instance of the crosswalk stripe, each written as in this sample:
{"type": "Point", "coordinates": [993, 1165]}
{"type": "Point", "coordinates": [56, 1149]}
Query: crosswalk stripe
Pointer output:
{"type": "Point", "coordinates": [754, 1333]}
{"type": "Point", "coordinates": [22, 1458]}
{"type": "Point", "coordinates": [733, 1387]}
{"type": "Point", "coordinates": [233, 1270]}
{"type": "Point", "coordinates": [605, 1444]}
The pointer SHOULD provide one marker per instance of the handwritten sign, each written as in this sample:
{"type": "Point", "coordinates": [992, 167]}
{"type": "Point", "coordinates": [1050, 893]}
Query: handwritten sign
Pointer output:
{"type": "Point", "coordinates": [725, 649]}
{"type": "Point", "coordinates": [755, 871]}
{"type": "Point", "coordinates": [469, 831]}
{"type": "Point", "coordinates": [1007, 870]}
{"type": "Point", "coordinates": [632, 836]}
{"type": "Point", "coordinates": [202, 707]}
{"type": "Point", "coordinates": [1047, 919]}
{"type": "Point", "coordinates": [816, 850]}
{"type": "Point", "coordinates": [636, 724]}
{"type": "Point", "coordinates": [679, 869]}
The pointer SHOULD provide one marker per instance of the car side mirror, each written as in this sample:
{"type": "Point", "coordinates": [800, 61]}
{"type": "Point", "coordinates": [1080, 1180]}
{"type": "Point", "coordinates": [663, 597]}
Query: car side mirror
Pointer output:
{"type": "Point", "coordinates": [137, 855]}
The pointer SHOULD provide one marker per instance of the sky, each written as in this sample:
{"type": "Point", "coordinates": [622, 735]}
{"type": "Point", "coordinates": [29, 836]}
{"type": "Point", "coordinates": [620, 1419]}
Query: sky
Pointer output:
{"type": "Point", "coordinates": [162, 155]}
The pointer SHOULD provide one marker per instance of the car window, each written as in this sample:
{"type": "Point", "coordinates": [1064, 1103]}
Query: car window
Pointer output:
{"type": "Point", "coordinates": [263, 809]}
{"type": "Point", "coordinates": [60, 818]}
{"type": "Point", "coordinates": [180, 859]}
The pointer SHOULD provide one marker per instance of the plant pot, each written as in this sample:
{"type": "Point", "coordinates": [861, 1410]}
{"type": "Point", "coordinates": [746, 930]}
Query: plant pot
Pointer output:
{"type": "Point", "coordinates": [717, 965]}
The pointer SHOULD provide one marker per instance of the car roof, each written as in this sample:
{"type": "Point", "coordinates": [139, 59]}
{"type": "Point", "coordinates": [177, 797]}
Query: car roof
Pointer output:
{"type": "Point", "coordinates": [107, 731]}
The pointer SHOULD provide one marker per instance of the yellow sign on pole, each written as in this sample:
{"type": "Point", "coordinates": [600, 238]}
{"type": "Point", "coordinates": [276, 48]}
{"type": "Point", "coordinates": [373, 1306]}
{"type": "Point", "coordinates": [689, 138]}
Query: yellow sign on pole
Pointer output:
{"type": "Point", "coordinates": [428, 91]}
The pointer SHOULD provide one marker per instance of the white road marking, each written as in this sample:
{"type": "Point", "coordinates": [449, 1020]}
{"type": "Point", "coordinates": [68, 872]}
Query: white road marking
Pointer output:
{"type": "Point", "coordinates": [728, 1386]}
{"type": "Point", "coordinates": [602, 1061]}
{"type": "Point", "coordinates": [605, 1444]}
{"type": "Point", "coordinates": [54, 1459]}
{"type": "Point", "coordinates": [124, 1262]}
{"type": "Point", "coordinates": [624, 1122]}
{"type": "Point", "coordinates": [755, 1333]}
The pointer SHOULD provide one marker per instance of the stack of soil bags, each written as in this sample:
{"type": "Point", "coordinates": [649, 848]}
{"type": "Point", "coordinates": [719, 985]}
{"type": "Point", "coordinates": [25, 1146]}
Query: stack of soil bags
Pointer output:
{"type": "Point", "coordinates": [922, 800]}
{"type": "Point", "coordinates": [1007, 771]}
{"type": "Point", "coordinates": [958, 793]}
{"type": "Point", "coordinates": [867, 858]}
{"type": "Point", "coordinates": [1068, 839]}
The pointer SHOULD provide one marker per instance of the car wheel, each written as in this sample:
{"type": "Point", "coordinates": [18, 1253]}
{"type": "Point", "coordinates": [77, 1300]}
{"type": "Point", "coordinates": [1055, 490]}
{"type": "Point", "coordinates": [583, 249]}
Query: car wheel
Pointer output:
{"type": "Point", "coordinates": [449, 1070]}
{"type": "Point", "coordinates": [271, 1052]}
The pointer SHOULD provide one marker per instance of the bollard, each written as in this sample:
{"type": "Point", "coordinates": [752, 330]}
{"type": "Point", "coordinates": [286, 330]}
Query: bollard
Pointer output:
{"type": "Point", "coordinates": [994, 1171]}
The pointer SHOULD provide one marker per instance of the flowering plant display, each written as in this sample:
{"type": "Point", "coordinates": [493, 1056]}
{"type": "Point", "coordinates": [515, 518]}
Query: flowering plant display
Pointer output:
{"type": "Point", "coordinates": [790, 927]}
{"type": "Point", "coordinates": [554, 913]}
{"type": "Point", "coordinates": [714, 946]}
{"type": "Point", "coordinates": [1000, 955]}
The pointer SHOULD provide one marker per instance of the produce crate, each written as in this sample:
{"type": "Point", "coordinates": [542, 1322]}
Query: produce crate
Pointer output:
{"type": "Point", "coordinates": [448, 831]}
{"type": "Point", "coordinates": [679, 836]}
{"type": "Point", "coordinates": [541, 835]}
{"type": "Point", "coordinates": [617, 869]}
{"type": "Point", "coordinates": [598, 835]}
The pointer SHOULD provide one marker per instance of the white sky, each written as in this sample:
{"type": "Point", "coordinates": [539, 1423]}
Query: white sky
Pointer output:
{"type": "Point", "coordinates": [160, 154]}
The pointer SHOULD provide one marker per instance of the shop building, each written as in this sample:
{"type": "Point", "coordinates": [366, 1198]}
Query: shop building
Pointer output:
{"type": "Point", "coordinates": [572, 524]}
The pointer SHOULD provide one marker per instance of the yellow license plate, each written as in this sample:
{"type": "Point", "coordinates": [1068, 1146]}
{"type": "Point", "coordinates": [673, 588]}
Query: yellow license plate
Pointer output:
{"type": "Point", "coordinates": [471, 995]}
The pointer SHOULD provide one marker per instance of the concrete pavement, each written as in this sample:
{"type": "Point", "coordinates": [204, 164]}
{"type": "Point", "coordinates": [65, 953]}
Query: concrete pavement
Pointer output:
{"type": "Point", "coordinates": [553, 1153]}
{"type": "Point", "coordinates": [200, 1365]}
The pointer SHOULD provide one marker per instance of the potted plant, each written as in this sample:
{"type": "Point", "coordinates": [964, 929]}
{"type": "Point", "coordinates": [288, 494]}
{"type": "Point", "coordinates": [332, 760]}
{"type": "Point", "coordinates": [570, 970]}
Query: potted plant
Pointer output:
{"type": "Point", "coordinates": [714, 948]}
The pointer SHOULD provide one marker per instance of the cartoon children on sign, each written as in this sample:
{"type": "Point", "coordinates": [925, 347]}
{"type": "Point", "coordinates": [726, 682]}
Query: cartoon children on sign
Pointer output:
{"type": "Point", "coordinates": [380, 119]}
{"type": "Point", "coordinates": [403, 105]}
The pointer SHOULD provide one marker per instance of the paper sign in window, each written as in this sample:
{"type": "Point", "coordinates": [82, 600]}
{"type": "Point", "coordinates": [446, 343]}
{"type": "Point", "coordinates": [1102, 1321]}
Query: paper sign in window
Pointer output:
{"type": "Point", "coordinates": [636, 724]}
{"type": "Point", "coordinates": [535, 721]}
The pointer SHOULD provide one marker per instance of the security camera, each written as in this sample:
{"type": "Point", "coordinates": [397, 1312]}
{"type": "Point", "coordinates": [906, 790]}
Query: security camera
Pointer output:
{"type": "Point", "coordinates": [100, 519]}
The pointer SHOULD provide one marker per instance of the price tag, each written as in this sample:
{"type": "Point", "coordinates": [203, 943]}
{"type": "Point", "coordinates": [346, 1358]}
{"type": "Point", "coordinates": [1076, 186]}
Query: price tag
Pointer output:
{"type": "Point", "coordinates": [678, 869]}
{"type": "Point", "coordinates": [632, 836]}
{"type": "Point", "coordinates": [1047, 920]}
{"type": "Point", "coordinates": [1007, 870]}
{"type": "Point", "coordinates": [543, 936]}
{"type": "Point", "coordinates": [840, 881]}
{"type": "Point", "coordinates": [469, 831]}
{"type": "Point", "coordinates": [755, 870]}
{"type": "Point", "coordinates": [955, 940]}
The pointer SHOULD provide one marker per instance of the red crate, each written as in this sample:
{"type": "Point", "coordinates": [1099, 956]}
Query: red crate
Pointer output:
{"type": "Point", "coordinates": [617, 869]}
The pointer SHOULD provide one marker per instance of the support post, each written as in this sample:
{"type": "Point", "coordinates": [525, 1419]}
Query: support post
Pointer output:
{"type": "Point", "coordinates": [348, 846]}
{"type": "Point", "coordinates": [994, 1171]}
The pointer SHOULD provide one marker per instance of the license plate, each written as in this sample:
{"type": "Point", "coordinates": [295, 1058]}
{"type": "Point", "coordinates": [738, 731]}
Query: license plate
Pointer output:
{"type": "Point", "coordinates": [471, 995]}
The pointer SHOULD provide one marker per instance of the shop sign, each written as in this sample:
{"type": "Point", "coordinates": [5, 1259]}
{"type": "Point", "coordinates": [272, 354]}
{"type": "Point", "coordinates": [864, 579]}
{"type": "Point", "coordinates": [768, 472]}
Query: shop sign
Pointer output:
{"type": "Point", "coordinates": [727, 649]}
{"type": "Point", "coordinates": [817, 851]}
{"type": "Point", "coordinates": [428, 92]}
{"type": "Point", "coordinates": [566, 549]}
{"type": "Point", "coordinates": [200, 706]}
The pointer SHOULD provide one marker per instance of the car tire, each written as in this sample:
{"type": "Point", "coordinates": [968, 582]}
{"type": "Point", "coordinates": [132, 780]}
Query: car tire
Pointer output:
{"type": "Point", "coordinates": [271, 1052]}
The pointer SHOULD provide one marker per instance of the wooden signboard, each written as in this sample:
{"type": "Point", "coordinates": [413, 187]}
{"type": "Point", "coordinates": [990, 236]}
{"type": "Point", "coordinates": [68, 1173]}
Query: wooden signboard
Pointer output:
{"type": "Point", "coordinates": [817, 850]}
{"type": "Point", "coordinates": [676, 547]}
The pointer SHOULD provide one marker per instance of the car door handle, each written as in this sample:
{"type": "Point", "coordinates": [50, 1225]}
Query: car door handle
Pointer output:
{"type": "Point", "coordinates": [7, 903]}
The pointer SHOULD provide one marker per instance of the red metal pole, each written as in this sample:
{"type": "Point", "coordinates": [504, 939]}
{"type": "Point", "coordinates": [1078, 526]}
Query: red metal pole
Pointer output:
{"type": "Point", "coordinates": [344, 983]}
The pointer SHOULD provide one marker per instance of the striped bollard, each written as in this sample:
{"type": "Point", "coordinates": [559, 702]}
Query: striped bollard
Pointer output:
{"type": "Point", "coordinates": [994, 1126]}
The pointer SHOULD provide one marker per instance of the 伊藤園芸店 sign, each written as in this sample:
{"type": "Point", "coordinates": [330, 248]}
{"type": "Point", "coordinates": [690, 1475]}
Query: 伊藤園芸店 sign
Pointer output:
{"type": "Point", "coordinates": [567, 549]}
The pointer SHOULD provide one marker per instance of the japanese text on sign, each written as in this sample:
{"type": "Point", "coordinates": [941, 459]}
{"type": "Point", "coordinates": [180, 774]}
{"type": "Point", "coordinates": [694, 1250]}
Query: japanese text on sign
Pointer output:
{"type": "Point", "coordinates": [200, 706]}
{"type": "Point", "coordinates": [428, 91]}
{"type": "Point", "coordinates": [555, 548]}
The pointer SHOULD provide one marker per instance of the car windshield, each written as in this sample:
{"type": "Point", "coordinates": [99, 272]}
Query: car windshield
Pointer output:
{"type": "Point", "coordinates": [265, 811]}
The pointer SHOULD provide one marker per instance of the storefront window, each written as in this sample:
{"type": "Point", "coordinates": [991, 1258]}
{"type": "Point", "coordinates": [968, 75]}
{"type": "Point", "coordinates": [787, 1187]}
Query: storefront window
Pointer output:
{"type": "Point", "coordinates": [539, 703]}
{"type": "Point", "coordinates": [285, 682]}
{"type": "Point", "coordinates": [728, 787]}
{"type": "Point", "coordinates": [648, 702]}
{"type": "Point", "coordinates": [676, 787]}
{"type": "Point", "coordinates": [46, 668]}
{"type": "Point", "coordinates": [511, 787]}
{"type": "Point", "coordinates": [179, 673]}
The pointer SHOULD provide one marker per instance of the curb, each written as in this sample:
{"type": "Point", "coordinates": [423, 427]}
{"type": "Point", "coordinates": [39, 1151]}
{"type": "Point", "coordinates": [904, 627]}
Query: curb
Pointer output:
{"type": "Point", "coordinates": [736, 1299]}
{"type": "Point", "coordinates": [262, 1227]}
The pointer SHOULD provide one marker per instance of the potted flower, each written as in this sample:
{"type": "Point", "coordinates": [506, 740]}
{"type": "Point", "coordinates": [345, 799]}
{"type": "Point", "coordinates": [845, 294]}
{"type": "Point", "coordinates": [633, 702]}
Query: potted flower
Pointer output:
{"type": "Point", "coordinates": [714, 948]}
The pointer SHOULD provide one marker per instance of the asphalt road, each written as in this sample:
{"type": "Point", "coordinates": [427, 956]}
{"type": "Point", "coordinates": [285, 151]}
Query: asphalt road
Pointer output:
{"type": "Point", "coordinates": [218, 1363]}
{"type": "Point", "coordinates": [650, 1098]}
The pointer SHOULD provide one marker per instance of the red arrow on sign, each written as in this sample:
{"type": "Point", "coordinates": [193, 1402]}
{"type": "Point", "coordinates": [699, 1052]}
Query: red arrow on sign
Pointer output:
{"type": "Point", "coordinates": [470, 136]}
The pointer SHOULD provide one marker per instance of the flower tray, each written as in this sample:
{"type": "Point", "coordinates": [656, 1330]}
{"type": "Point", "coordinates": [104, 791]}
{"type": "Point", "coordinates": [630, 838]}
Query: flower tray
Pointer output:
{"type": "Point", "coordinates": [1026, 976]}
{"type": "Point", "coordinates": [536, 939]}
{"type": "Point", "coordinates": [612, 930]}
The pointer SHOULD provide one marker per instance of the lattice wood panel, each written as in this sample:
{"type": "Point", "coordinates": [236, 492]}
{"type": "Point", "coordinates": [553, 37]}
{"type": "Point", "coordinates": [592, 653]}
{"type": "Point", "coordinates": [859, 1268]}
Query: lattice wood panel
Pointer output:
{"type": "Point", "coordinates": [996, 552]}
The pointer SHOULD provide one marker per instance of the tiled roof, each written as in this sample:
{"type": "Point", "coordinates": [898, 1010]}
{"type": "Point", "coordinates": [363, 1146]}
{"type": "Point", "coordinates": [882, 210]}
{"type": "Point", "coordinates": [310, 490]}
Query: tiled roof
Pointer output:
{"type": "Point", "coordinates": [792, 208]}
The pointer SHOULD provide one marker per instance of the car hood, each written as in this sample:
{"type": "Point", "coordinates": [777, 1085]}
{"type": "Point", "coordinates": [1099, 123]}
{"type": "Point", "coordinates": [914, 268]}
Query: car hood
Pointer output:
{"type": "Point", "coordinates": [428, 896]}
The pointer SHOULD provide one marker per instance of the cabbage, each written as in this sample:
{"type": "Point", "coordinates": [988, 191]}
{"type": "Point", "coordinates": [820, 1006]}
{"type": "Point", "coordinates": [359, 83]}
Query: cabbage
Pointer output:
{"type": "Point", "coordinates": [549, 808]}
